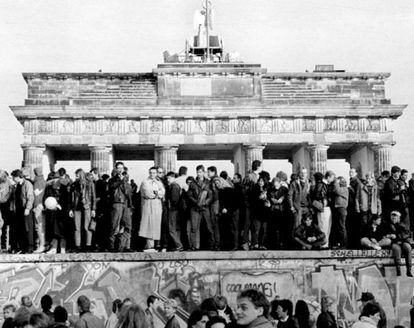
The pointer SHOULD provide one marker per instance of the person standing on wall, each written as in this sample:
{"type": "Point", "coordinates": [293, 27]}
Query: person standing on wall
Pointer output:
{"type": "Point", "coordinates": [248, 183]}
{"type": "Point", "coordinates": [173, 196]}
{"type": "Point", "coordinates": [117, 190]}
{"type": "Point", "coordinates": [82, 209]}
{"type": "Point", "coordinates": [152, 194]}
{"type": "Point", "coordinates": [199, 198]}
{"type": "Point", "coordinates": [6, 192]}
{"type": "Point", "coordinates": [354, 218]}
{"type": "Point", "coordinates": [24, 198]}
{"type": "Point", "coordinates": [370, 204]}
{"type": "Point", "coordinates": [339, 213]}
{"type": "Point", "coordinates": [39, 186]}
{"type": "Point", "coordinates": [214, 206]}
{"type": "Point", "coordinates": [393, 193]}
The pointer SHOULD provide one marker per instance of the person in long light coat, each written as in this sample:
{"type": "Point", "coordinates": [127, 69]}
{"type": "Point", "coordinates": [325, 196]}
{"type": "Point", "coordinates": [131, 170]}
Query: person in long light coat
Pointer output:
{"type": "Point", "coordinates": [152, 192]}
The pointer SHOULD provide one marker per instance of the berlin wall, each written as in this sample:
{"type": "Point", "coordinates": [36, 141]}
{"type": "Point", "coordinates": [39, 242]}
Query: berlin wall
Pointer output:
{"type": "Point", "coordinates": [192, 277]}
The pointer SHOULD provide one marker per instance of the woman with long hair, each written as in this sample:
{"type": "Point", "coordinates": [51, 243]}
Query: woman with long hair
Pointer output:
{"type": "Point", "coordinates": [260, 209]}
{"type": "Point", "coordinates": [302, 314]}
{"type": "Point", "coordinates": [82, 208]}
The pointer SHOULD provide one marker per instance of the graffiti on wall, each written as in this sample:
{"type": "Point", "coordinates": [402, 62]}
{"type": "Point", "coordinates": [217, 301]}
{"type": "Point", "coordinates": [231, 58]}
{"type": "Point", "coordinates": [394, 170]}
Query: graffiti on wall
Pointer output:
{"type": "Point", "coordinates": [192, 281]}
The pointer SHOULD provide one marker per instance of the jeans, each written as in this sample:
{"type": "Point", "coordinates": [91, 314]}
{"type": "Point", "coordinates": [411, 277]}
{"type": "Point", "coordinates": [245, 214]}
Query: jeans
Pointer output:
{"type": "Point", "coordinates": [338, 226]}
{"type": "Point", "coordinates": [259, 232]}
{"type": "Point", "coordinates": [195, 221]}
{"type": "Point", "coordinates": [39, 216]}
{"type": "Point", "coordinates": [405, 249]}
{"type": "Point", "coordinates": [82, 222]}
{"type": "Point", "coordinates": [25, 231]}
{"type": "Point", "coordinates": [117, 213]}
{"type": "Point", "coordinates": [174, 228]}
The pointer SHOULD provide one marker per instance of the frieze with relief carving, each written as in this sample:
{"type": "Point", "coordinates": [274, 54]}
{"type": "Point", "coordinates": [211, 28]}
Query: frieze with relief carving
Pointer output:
{"type": "Point", "coordinates": [351, 125]}
{"type": "Point", "coordinates": [285, 126]}
{"type": "Point", "coordinates": [155, 126]}
{"type": "Point", "coordinates": [199, 127]}
{"type": "Point", "coordinates": [243, 125]}
{"type": "Point", "coordinates": [265, 125]}
{"type": "Point", "coordinates": [309, 124]}
{"type": "Point", "coordinates": [373, 124]}
{"type": "Point", "coordinates": [133, 126]}
{"type": "Point", "coordinates": [178, 126]}
{"type": "Point", "coordinates": [330, 124]}
{"type": "Point", "coordinates": [222, 126]}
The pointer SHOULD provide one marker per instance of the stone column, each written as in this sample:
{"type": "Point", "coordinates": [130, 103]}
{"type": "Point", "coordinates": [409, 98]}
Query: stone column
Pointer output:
{"type": "Point", "coordinates": [300, 158]}
{"type": "Point", "coordinates": [100, 158]}
{"type": "Point", "coordinates": [361, 159]}
{"type": "Point", "coordinates": [318, 155]}
{"type": "Point", "coordinates": [32, 157]}
{"type": "Point", "coordinates": [252, 153]}
{"type": "Point", "coordinates": [382, 158]}
{"type": "Point", "coordinates": [165, 156]}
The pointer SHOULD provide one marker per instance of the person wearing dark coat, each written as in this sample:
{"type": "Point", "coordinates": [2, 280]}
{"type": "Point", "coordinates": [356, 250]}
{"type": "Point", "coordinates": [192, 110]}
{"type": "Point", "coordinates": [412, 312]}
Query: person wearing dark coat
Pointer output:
{"type": "Point", "coordinates": [58, 226]}
{"type": "Point", "coordinates": [238, 209]}
{"type": "Point", "coordinates": [280, 224]}
{"type": "Point", "coordinates": [170, 308]}
{"type": "Point", "coordinates": [199, 198]}
{"type": "Point", "coordinates": [173, 197]}
{"type": "Point", "coordinates": [226, 211]}
{"type": "Point", "coordinates": [353, 224]}
{"type": "Point", "coordinates": [308, 235]}
{"type": "Point", "coordinates": [118, 200]}
{"type": "Point", "coordinates": [260, 211]}
{"type": "Point", "coordinates": [393, 192]}
{"type": "Point", "coordinates": [24, 198]}
{"type": "Point", "coordinates": [400, 242]}
{"type": "Point", "coordinates": [340, 195]}
{"type": "Point", "coordinates": [373, 234]}
{"type": "Point", "coordinates": [284, 311]}
{"type": "Point", "coordinates": [327, 319]}
{"type": "Point", "coordinates": [82, 208]}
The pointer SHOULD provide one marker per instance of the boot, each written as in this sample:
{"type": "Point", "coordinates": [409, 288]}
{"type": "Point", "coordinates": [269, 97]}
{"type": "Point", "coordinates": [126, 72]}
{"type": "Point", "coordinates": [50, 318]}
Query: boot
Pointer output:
{"type": "Point", "coordinates": [409, 274]}
{"type": "Point", "coordinates": [398, 268]}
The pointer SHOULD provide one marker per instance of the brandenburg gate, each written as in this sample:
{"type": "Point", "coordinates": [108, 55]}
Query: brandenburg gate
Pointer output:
{"type": "Point", "coordinates": [209, 105]}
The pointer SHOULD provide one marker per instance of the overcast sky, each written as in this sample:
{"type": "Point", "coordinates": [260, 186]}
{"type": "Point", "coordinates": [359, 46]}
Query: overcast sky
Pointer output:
{"type": "Point", "coordinates": [130, 36]}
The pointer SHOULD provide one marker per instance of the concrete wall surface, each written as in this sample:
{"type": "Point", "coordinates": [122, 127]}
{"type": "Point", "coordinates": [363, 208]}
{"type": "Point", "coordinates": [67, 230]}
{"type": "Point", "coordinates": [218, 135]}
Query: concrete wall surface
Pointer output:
{"type": "Point", "coordinates": [192, 277]}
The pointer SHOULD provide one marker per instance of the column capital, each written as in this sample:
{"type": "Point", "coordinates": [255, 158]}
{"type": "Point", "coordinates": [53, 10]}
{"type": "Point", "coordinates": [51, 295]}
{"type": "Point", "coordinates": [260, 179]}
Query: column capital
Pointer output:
{"type": "Point", "coordinates": [33, 147]}
{"type": "Point", "coordinates": [318, 146]}
{"type": "Point", "coordinates": [254, 146]}
{"type": "Point", "coordinates": [165, 147]}
{"type": "Point", "coordinates": [100, 147]}
{"type": "Point", "coordinates": [381, 146]}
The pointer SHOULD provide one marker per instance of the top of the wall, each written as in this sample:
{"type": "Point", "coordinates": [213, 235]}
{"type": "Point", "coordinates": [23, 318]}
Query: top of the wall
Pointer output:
{"type": "Point", "coordinates": [203, 255]}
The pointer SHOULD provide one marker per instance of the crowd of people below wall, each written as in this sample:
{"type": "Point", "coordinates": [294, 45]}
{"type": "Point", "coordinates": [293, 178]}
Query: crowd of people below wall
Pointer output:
{"type": "Point", "coordinates": [253, 310]}
{"type": "Point", "coordinates": [176, 212]}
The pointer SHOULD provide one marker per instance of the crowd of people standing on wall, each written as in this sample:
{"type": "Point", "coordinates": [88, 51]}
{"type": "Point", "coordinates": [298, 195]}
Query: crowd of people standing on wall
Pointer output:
{"type": "Point", "coordinates": [252, 310]}
{"type": "Point", "coordinates": [174, 212]}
